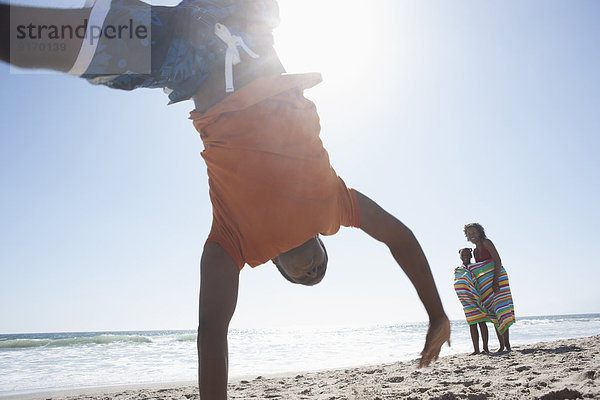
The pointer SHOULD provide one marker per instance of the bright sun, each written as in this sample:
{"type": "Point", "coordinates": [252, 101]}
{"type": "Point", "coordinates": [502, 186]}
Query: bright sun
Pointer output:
{"type": "Point", "coordinates": [329, 36]}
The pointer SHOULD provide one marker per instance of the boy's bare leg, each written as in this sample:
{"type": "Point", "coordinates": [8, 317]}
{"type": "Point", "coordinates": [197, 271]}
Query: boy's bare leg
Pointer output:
{"type": "Point", "coordinates": [218, 297]}
{"type": "Point", "coordinates": [484, 336]}
{"type": "Point", "coordinates": [4, 32]}
{"type": "Point", "coordinates": [63, 60]}
{"type": "Point", "coordinates": [474, 338]}
{"type": "Point", "coordinates": [407, 252]}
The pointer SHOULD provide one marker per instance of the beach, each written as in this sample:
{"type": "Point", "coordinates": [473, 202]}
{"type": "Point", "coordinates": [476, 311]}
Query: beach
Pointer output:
{"type": "Point", "coordinates": [563, 369]}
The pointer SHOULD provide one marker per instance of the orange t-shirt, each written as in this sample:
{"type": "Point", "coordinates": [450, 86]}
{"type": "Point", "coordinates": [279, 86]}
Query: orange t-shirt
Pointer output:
{"type": "Point", "coordinates": [271, 185]}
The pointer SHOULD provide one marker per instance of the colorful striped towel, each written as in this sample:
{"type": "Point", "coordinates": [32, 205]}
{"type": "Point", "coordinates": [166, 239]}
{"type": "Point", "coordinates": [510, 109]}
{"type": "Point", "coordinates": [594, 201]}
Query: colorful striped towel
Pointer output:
{"type": "Point", "coordinates": [467, 293]}
{"type": "Point", "coordinates": [473, 285]}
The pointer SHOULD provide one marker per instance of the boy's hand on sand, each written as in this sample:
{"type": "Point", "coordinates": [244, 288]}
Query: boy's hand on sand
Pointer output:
{"type": "Point", "coordinates": [437, 334]}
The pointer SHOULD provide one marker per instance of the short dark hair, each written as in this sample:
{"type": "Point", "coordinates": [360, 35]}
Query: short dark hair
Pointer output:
{"type": "Point", "coordinates": [476, 226]}
{"type": "Point", "coordinates": [282, 272]}
{"type": "Point", "coordinates": [289, 278]}
{"type": "Point", "coordinates": [466, 248]}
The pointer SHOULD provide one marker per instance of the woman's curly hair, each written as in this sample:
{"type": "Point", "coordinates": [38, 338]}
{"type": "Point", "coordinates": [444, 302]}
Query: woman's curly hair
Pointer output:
{"type": "Point", "coordinates": [476, 226]}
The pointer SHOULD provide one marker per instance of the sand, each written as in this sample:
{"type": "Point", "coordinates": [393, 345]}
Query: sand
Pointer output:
{"type": "Point", "coordinates": [566, 369]}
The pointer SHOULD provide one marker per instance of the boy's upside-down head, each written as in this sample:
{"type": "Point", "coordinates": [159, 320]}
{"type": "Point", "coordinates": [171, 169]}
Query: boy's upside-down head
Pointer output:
{"type": "Point", "coordinates": [305, 264]}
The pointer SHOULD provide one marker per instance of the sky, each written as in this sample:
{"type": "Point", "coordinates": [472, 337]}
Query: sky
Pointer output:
{"type": "Point", "coordinates": [444, 113]}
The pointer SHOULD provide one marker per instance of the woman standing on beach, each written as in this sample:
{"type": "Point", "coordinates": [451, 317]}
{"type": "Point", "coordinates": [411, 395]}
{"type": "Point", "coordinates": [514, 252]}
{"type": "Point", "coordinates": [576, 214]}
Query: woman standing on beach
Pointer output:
{"type": "Point", "coordinates": [493, 283]}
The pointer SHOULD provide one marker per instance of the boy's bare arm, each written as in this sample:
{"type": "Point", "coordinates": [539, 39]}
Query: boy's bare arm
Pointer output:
{"type": "Point", "coordinates": [218, 297]}
{"type": "Point", "coordinates": [407, 252]}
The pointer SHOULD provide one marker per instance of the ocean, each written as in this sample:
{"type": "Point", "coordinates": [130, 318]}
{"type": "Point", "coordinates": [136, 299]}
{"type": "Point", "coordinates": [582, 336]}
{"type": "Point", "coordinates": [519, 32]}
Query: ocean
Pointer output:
{"type": "Point", "coordinates": [46, 362]}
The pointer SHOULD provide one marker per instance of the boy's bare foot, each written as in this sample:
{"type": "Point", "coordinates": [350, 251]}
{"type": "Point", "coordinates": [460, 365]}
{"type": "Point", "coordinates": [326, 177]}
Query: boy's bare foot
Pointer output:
{"type": "Point", "coordinates": [437, 334]}
{"type": "Point", "coordinates": [475, 353]}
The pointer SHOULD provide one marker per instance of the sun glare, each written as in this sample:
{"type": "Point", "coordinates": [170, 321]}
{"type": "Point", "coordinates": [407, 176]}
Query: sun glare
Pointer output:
{"type": "Point", "coordinates": [334, 37]}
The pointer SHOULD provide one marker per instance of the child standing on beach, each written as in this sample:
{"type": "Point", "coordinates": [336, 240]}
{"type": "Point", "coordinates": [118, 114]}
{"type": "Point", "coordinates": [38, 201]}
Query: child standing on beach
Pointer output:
{"type": "Point", "coordinates": [494, 280]}
{"type": "Point", "coordinates": [468, 295]}
{"type": "Point", "coordinates": [272, 187]}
